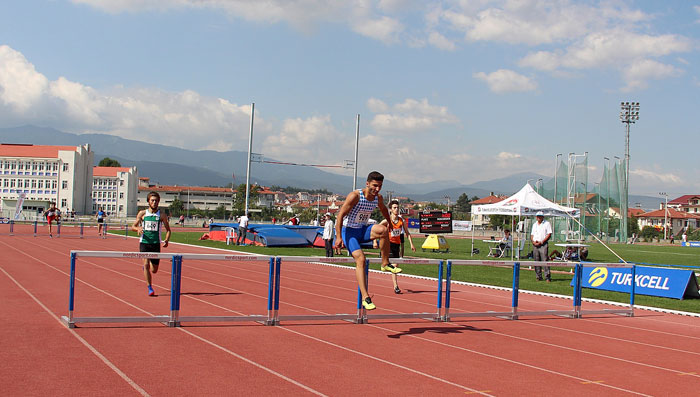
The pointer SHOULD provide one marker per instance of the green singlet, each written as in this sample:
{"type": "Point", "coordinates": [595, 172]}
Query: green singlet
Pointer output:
{"type": "Point", "coordinates": [151, 227]}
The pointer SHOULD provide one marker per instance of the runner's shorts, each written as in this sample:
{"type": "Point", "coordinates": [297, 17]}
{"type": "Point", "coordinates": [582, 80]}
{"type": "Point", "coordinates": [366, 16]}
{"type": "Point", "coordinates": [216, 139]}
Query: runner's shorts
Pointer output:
{"type": "Point", "coordinates": [354, 237]}
{"type": "Point", "coordinates": [143, 247]}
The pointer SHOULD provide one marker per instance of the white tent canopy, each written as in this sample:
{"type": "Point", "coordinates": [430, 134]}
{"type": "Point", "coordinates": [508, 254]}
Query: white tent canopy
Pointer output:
{"type": "Point", "coordinates": [526, 202]}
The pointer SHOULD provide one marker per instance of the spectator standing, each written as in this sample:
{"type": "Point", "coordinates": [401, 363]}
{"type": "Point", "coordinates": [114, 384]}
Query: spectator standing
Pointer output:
{"type": "Point", "coordinates": [328, 235]}
{"type": "Point", "coordinates": [242, 228]}
{"type": "Point", "coordinates": [541, 232]}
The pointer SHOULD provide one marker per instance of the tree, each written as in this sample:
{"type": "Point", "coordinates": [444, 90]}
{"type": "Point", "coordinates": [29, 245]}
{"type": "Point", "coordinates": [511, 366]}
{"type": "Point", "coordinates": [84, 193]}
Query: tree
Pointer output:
{"type": "Point", "coordinates": [239, 198]}
{"type": "Point", "coordinates": [462, 204]}
{"type": "Point", "coordinates": [108, 162]}
{"type": "Point", "coordinates": [176, 207]}
{"type": "Point", "coordinates": [501, 221]}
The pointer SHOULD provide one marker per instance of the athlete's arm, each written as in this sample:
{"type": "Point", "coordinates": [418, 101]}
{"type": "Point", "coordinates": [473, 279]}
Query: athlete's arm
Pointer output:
{"type": "Point", "coordinates": [382, 208]}
{"type": "Point", "coordinates": [136, 227]}
{"type": "Point", "coordinates": [408, 234]}
{"type": "Point", "coordinates": [350, 202]}
{"type": "Point", "coordinates": [166, 225]}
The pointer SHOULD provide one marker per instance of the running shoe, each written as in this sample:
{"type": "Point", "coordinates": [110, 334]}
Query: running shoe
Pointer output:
{"type": "Point", "coordinates": [151, 292]}
{"type": "Point", "coordinates": [397, 290]}
{"type": "Point", "coordinates": [50, 236]}
{"type": "Point", "coordinates": [391, 268]}
{"type": "Point", "coordinates": [367, 304]}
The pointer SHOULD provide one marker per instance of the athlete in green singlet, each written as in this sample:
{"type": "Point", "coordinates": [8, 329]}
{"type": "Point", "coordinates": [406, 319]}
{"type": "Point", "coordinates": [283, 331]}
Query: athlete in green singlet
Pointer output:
{"type": "Point", "coordinates": [147, 225]}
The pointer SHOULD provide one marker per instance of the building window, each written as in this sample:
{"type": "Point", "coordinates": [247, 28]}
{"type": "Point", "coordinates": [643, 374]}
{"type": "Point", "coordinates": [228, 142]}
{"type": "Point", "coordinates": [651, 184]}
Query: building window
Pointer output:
{"type": "Point", "coordinates": [64, 184]}
{"type": "Point", "coordinates": [41, 184]}
{"type": "Point", "coordinates": [121, 195]}
{"type": "Point", "coordinates": [121, 182]}
{"type": "Point", "coordinates": [64, 203]}
{"type": "Point", "coordinates": [65, 167]}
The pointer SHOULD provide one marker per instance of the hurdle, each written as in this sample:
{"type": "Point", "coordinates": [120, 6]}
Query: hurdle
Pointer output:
{"type": "Point", "coordinates": [173, 319]}
{"type": "Point", "coordinates": [361, 317]}
{"type": "Point", "coordinates": [170, 320]}
{"type": "Point", "coordinates": [575, 312]}
{"type": "Point", "coordinates": [81, 225]}
{"type": "Point", "coordinates": [628, 311]}
{"type": "Point", "coordinates": [265, 319]}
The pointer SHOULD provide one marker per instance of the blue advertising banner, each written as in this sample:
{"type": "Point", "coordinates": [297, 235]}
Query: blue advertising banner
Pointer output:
{"type": "Point", "coordinates": [413, 223]}
{"type": "Point", "coordinates": [690, 244]}
{"type": "Point", "coordinates": [654, 281]}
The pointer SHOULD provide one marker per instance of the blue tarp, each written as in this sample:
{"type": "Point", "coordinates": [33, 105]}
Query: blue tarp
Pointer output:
{"type": "Point", "coordinates": [277, 235]}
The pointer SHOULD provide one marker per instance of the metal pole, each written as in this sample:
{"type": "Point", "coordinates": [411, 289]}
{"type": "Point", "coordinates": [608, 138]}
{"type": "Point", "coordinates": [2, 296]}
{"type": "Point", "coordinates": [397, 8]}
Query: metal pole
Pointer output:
{"type": "Point", "coordinates": [607, 205]}
{"type": "Point", "coordinates": [357, 145]}
{"type": "Point", "coordinates": [250, 149]}
{"type": "Point", "coordinates": [556, 170]}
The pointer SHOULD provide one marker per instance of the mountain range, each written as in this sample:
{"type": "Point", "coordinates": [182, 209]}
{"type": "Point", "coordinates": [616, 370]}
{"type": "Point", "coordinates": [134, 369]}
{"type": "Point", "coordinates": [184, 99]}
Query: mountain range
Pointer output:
{"type": "Point", "coordinates": [168, 165]}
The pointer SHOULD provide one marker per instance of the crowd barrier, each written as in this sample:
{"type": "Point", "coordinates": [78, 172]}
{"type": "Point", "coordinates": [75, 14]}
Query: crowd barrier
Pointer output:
{"type": "Point", "coordinates": [272, 314]}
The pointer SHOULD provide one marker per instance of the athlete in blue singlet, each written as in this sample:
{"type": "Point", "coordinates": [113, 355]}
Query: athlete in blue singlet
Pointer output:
{"type": "Point", "coordinates": [358, 207]}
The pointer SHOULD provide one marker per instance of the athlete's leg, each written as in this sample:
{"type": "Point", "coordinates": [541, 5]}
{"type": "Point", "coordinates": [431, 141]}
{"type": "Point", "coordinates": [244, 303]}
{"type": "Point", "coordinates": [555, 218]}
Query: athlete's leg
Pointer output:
{"type": "Point", "coordinates": [147, 271]}
{"type": "Point", "coordinates": [381, 232]}
{"type": "Point", "coordinates": [360, 264]}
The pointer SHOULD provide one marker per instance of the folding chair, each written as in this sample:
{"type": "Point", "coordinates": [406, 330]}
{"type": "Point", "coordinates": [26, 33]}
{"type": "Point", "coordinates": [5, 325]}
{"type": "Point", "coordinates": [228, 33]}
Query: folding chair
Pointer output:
{"type": "Point", "coordinates": [230, 235]}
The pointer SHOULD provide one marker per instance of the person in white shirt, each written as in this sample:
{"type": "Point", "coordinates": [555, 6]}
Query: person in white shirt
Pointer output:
{"type": "Point", "coordinates": [328, 231]}
{"type": "Point", "coordinates": [242, 228]}
{"type": "Point", "coordinates": [541, 232]}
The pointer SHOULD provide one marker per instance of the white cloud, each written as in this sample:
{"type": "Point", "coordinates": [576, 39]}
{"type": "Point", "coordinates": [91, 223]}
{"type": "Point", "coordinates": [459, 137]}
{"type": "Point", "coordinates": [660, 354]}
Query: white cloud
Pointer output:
{"type": "Point", "coordinates": [184, 119]}
{"type": "Point", "coordinates": [653, 176]}
{"type": "Point", "coordinates": [384, 29]}
{"type": "Point", "coordinates": [377, 105]}
{"type": "Point", "coordinates": [439, 41]}
{"type": "Point", "coordinates": [21, 86]}
{"type": "Point", "coordinates": [697, 10]}
{"type": "Point", "coordinates": [503, 80]}
{"type": "Point", "coordinates": [507, 156]}
{"type": "Point", "coordinates": [637, 74]}
{"type": "Point", "coordinates": [302, 139]}
{"type": "Point", "coordinates": [409, 116]}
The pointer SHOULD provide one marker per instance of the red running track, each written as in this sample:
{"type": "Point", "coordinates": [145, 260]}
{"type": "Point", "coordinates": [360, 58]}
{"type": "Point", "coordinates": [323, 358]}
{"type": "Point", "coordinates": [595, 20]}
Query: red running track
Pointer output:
{"type": "Point", "coordinates": [650, 354]}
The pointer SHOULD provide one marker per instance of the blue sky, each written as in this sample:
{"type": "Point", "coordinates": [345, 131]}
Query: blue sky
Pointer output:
{"type": "Point", "coordinates": [446, 90]}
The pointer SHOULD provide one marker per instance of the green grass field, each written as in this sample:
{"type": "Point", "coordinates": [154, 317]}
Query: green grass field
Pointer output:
{"type": "Point", "coordinates": [561, 278]}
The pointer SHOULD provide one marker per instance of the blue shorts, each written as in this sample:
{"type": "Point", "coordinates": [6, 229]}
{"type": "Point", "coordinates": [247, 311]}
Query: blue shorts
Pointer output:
{"type": "Point", "coordinates": [354, 237]}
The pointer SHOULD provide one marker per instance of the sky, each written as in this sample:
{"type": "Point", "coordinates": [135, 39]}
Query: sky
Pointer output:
{"type": "Point", "coordinates": [462, 90]}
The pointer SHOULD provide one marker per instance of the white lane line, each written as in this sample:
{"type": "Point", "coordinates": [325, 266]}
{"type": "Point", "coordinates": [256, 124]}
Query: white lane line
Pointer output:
{"type": "Point", "coordinates": [144, 311]}
{"type": "Point", "coordinates": [94, 351]}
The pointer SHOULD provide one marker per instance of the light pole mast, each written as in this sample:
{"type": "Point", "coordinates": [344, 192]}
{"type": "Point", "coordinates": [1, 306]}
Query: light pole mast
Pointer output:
{"type": "Point", "coordinates": [629, 114]}
{"type": "Point", "coordinates": [665, 212]}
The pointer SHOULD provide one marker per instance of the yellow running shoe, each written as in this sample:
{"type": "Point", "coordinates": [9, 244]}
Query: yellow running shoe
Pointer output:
{"type": "Point", "coordinates": [391, 268]}
{"type": "Point", "coordinates": [367, 304]}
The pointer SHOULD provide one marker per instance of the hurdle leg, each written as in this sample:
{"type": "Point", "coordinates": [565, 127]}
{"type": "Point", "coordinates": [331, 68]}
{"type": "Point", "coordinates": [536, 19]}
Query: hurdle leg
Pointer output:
{"type": "Point", "coordinates": [58, 230]}
{"type": "Point", "coordinates": [82, 230]}
{"type": "Point", "coordinates": [35, 225]}
{"type": "Point", "coordinates": [446, 315]}
{"type": "Point", "coordinates": [12, 227]}
{"type": "Point", "coordinates": [270, 292]}
{"type": "Point", "coordinates": [516, 290]}
{"type": "Point", "coordinates": [278, 270]}
{"type": "Point", "coordinates": [175, 279]}
{"type": "Point", "coordinates": [71, 294]}
{"type": "Point", "coordinates": [633, 270]}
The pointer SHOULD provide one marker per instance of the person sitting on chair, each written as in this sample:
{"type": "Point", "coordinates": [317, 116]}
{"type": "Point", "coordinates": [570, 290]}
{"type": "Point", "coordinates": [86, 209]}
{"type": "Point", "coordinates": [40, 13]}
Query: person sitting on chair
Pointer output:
{"type": "Point", "coordinates": [506, 242]}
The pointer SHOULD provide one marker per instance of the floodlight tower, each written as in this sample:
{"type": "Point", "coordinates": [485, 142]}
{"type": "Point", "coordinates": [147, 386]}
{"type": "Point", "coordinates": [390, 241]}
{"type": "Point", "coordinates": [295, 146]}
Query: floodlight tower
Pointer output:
{"type": "Point", "coordinates": [629, 114]}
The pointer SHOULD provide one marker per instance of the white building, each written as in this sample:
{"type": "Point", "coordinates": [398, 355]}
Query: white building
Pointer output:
{"type": "Point", "coordinates": [115, 190]}
{"type": "Point", "coordinates": [192, 197]}
{"type": "Point", "coordinates": [45, 174]}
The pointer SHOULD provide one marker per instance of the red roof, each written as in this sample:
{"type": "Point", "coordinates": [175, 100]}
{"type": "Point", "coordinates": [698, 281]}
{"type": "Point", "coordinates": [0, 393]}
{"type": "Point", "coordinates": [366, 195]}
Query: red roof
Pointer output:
{"type": "Point", "coordinates": [108, 171]}
{"type": "Point", "coordinates": [40, 151]}
{"type": "Point", "coordinates": [684, 200]}
{"type": "Point", "coordinates": [635, 212]}
{"type": "Point", "coordinates": [489, 200]}
{"type": "Point", "coordinates": [672, 214]}
{"type": "Point", "coordinates": [161, 188]}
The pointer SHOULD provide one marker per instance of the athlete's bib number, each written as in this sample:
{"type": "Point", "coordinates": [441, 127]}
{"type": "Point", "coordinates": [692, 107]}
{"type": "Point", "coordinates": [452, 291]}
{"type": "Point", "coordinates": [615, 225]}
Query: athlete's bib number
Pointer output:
{"type": "Point", "coordinates": [395, 232]}
{"type": "Point", "coordinates": [362, 217]}
{"type": "Point", "coordinates": [150, 226]}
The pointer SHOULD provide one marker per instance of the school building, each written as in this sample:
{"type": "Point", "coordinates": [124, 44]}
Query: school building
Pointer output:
{"type": "Point", "coordinates": [36, 175]}
{"type": "Point", "coordinates": [115, 190]}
